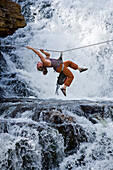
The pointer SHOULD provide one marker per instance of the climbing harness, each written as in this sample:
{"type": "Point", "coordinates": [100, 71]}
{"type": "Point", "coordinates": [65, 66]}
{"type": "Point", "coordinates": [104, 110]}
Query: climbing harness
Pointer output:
{"type": "Point", "coordinates": [62, 77]}
{"type": "Point", "coordinates": [59, 60]}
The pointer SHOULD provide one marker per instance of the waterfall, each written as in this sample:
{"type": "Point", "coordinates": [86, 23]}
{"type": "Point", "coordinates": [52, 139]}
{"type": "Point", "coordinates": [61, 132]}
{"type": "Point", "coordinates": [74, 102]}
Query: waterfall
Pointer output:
{"type": "Point", "coordinates": [59, 25]}
{"type": "Point", "coordinates": [54, 134]}
{"type": "Point", "coordinates": [38, 129]}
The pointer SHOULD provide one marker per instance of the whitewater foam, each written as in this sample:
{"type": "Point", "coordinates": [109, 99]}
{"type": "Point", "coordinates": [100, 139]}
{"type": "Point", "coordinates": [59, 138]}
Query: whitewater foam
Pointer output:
{"type": "Point", "coordinates": [61, 25]}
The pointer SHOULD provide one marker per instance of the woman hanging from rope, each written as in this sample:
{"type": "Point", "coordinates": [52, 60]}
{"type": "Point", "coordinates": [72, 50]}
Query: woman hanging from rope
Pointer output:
{"type": "Point", "coordinates": [49, 62]}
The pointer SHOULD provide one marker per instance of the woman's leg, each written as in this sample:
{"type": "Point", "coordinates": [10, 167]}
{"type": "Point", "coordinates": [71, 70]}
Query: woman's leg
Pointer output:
{"type": "Point", "coordinates": [69, 78]}
{"type": "Point", "coordinates": [74, 66]}
{"type": "Point", "coordinates": [68, 73]}
{"type": "Point", "coordinates": [71, 65]}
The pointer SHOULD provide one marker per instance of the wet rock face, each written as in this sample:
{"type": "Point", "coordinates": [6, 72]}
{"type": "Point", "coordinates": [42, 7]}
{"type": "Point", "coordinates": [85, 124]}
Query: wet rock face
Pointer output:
{"type": "Point", "coordinates": [34, 146]}
{"type": "Point", "coordinates": [96, 113]}
{"type": "Point", "coordinates": [13, 85]}
{"type": "Point", "coordinates": [39, 134]}
{"type": "Point", "coordinates": [3, 63]}
{"type": "Point", "coordinates": [72, 133]}
{"type": "Point", "coordinates": [10, 18]}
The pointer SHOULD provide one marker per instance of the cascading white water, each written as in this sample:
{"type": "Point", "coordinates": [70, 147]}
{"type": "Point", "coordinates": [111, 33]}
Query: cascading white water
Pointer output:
{"type": "Point", "coordinates": [61, 25]}
{"type": "Point", "coordinates": [26, 140]}
{"type": "Point", "coordinates": [97, 154]}
{"type": "Point", "coordinates": [30, 140]}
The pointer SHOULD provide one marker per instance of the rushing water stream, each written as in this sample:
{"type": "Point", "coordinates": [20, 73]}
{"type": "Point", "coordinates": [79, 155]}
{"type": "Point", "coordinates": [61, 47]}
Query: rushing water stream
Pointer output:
{"type": "Point", "coordinates": [38, 129]}
{"type": "Point", "coordinates": [56, 134]}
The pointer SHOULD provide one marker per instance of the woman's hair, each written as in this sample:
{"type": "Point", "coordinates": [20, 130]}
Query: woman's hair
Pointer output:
{"type": "Point", "coordinates": [39, 65]}
{"type": "Point", "coordinates": [45, 71]}
{"type": "Point", "coordinates": [42, 68]}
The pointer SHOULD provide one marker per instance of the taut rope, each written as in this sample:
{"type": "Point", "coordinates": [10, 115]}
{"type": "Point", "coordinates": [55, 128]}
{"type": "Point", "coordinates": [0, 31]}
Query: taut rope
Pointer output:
{"type": "Point", "coordinates": [61, 51]}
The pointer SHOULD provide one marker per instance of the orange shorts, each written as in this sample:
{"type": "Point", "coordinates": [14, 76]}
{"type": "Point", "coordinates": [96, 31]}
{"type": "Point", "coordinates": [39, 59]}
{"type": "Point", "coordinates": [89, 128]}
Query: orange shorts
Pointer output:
{"type": "Point", "coordinates": [67, 72]}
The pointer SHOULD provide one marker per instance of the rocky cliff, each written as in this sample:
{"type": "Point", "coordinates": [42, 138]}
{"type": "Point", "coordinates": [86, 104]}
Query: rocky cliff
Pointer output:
{"type": "Point", "coordinates": [10, 17]}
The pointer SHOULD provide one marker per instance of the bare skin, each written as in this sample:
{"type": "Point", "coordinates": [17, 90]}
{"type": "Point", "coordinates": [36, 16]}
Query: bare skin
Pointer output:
{"type": "Point", "coordinates": [45, 60]}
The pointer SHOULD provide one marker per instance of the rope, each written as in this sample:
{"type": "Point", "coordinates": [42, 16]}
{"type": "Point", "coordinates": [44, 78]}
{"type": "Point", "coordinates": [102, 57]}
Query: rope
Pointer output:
{"type": "Point", "coordinates": [50, 50]}
{"type": "Point", "coordinates": [88, 45]}
{"type": "Point", "coordinates": [72, 49]}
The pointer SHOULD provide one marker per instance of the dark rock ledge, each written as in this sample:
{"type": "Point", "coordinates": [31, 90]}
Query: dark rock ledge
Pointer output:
{"type": "Point", "coordinates": [10, 18]}
{"type": "Point", "coordinates": [53, 113]}
{"type": "Point", "coordinates": [50, 116]}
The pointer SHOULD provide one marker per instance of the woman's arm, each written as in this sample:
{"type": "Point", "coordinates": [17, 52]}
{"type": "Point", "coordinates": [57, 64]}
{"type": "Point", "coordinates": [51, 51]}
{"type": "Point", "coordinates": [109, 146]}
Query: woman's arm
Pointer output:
{"type": "Point", "coordinates": [38, 53]}
{"type": "Point", "coordinates": [47, 54]}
